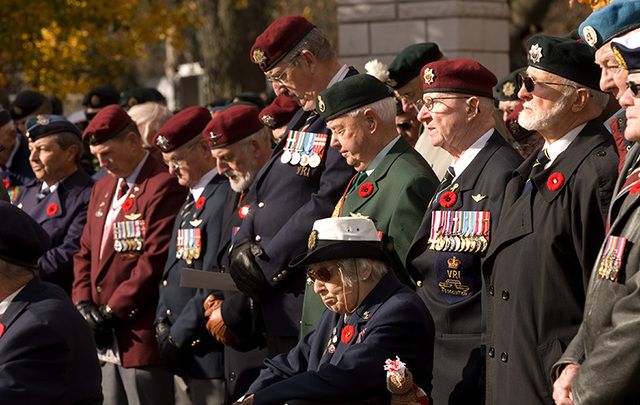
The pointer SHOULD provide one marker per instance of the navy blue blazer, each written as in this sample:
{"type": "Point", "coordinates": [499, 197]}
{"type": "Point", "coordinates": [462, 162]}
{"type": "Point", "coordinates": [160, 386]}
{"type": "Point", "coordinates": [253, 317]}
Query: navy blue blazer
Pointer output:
{"type": "Point", "coordinates": [62, 214]}
{"type": "Point", "coordinates": [281, 218]}
{"type": "Point", "coordinates": [47, 353]}
{"type": "Point", "coordinates": [392, 321]}
{"type": "Point", "coordinates": [19, 171]}
{"type": "Point", "coordinates": [183, 306]}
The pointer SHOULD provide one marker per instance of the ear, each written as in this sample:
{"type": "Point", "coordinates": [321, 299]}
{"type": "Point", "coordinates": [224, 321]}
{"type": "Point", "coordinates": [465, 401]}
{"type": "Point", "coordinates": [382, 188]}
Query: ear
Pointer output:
{"type": "Point", "coordinates": [582, 98]}
{"type": "Point", "coordinates": [307, 57]}
{"type": "Point", "coordinates": [365, 270]}
{"type": "Point", "coordinates": [371, 119]}
{"type": "Point", "coordinates": [72, 152]}
{"type": "Point", "coordinates": [472, 107]}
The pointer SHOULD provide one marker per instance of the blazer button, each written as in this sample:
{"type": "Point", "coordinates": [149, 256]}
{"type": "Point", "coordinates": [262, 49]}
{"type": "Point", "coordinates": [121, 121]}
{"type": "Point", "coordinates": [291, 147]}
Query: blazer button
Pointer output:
{"type": "Point", "coordinates": [165, 283]}
{"type": "Point", "coordinates": [491, 290]}
{"type": "Point", "coordinates": [232, 376]}
{"type": "Point", "coordinates": [99, 289]}
{"type": "Point", "coordinates": [261, 204]}
{"type": "Point", "coordinates": [275, 279]}
{"type": "Point", "coordinates": [504, 357]}
{"type": "Point", "coordinates": [419, 283]}
{"type": "Point", "coordinates": [258, 238]}
{"type": "Point", "coordinates": [491, 352]}
{"type": "Point", "coordinates": [602, 153]}
{"type": "Point", "coordinates": [505, 295]}
{"type": "Point", "coordinates": [168, 312]}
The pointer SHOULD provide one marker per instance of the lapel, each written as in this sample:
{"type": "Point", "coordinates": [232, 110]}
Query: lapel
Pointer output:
{"type": "Point", "coordinates": [58, 198]}
{"type": "Point", "coordinates": [18, 305]}
{"type": "Point", "coordinates": [625, 203]}
{"type": "Point", "coordinates": [105, 189]}
{"type": "Point", "coordinates": [230, 218]}
{"type": "Point", "coordinates": [353, 200]}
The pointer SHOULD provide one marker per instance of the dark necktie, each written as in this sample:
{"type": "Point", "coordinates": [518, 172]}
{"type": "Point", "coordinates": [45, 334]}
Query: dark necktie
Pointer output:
{"type": "Point", "coordinates": [123, 188]}
{"type": "Point", "coordinates": [307, 123]}
{"type": "Point", "coordinates": [444, 184]}
{"type": "Point", "coordinates": [541, 160]}
{"type": "Point", "coordinates": [358, 181]}
{"type": "Point", "coordinates": [42, 194]}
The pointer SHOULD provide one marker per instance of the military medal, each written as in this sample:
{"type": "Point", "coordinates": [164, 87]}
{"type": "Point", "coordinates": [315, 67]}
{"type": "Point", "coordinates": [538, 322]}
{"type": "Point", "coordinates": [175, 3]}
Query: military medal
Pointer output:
{"type": "Point", "coordinates": [319, 144]}
{"type": "Point", "coordinates": [612, 258]}
{"type": "Point", "coordinates": [309, 139]}
{"type": "Point", "coordinates": [296, 156]}
{"type": "Point", "coordinates": [286, 154]}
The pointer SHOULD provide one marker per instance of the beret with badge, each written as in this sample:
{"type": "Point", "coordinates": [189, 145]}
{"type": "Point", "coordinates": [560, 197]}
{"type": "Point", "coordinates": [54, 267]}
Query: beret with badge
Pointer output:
{"type": "Point", "coordinates": [43, 125]}
{"type": "Point", "coordinates": [341, 238]}
{"type": "Point", "coordinates": [108, 123]}
{"type": "Point", "coordinates": [181, 128]}
{"type": "Point", "coordinates": [353, 92]}
{"type": "Point", "coordinates": [25, 103]}
{"type": "Point", "coordinates": [236, 122]}
{"type": "Point", "coordinates": [25, 247]}
{"type": "Point", "coordinates": [279, 112]}
{"type": "Point", "coordinates": [101, 96]}
{"type": "Point", "coordinates": [409, 62]}
{"type": "Point", "coordinates": [280, 37]}
{"type": "Point", "coordinates": [627, 52]}
{"type": "Point", "coordinates": [508, 87]}
{"type": "Point", "coordinates": [610, 21]}
{"type": "Point", "coordinates": [565, 57]}
{"type": "Point", "coordinates": [140, 95]}
{"type": "Point", "coordinates": [462, 75]}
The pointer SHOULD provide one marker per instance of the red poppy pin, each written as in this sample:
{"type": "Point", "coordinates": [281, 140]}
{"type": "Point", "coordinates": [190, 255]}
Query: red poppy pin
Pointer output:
{"type": "Point", "coordinates": [200, 202]}
{"type": "Point", "coordinates": [635, 188]}
{"type": "Point", "coordinates": [127, 205]}
{"type": "Point", "coordinates": [555, 181]}
{"type": "Point", "coordinates": [347, 334]}
{"type": "Point", "coordinates": [52, 209]}
{"type": "Point", "coordinates": [366, 190]}
{"type": "Point", "coordinates": [7, 183]}
{"type": "Point", "coordinates": [1, 329]}
{"type": "Point", "coordinates": [243, 211]}
{"type": "Point", "coordinates": [447, 199]}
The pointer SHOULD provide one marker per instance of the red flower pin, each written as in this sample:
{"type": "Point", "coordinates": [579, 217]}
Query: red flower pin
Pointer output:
{"type": "Point", "coordinates": [555, 181]}
{"type": "Point", "coordinates": [1, 329]}
{"type": "Point", "coordinates": [347, 334]}
{"type": "Point", "coordinates": [200, 202]}
{"type": "Point", "coordinates": [127, 205]}
{"type": "Point", "coordinates": [7, 183]}
{"type": "Point", "coordinates": [365, 190]}
{"type": "Point", "coordinates": [243, 211]}
{"type": "Point", "coordinates": [52, 209]}
{"type": "Point", "coordinates": [635, 188]}
{"type": "Point", "coordinates": [447, 199]}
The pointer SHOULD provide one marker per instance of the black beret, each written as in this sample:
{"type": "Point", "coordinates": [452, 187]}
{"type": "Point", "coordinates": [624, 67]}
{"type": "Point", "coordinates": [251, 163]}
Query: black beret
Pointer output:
{"type": "Point", "coordinates": [627, 52]}
{"type": "Point", "coordinates": [101, 96]}
{"type": "Point", "coordinates": [407, 65]}
{"type": "Point", "coordinates": [351, 93]}
{"type": "Point", "coordinates": [564, 57]}
{"type": "Point", "coordinates": [46, 124]}
{"type": "Point", "coordinates": [508, 87]}
{"type": "Point", "coordinates": [23, 247]}
{"type": "Point", "coordinates": [25, 103]}
{"type": "Point", "coordinates": [141, 95]}
{"type": "Point", "coordinates": [4, 116]}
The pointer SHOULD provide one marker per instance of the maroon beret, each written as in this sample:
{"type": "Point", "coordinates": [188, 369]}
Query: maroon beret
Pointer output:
{"type": "Point", "coordinates": [181, 128]}
{"type": "Point", "coordinates": [107, 123]}
{"type": "Point", "coordinates": [278, 39]}
{"type": "Point", "coordinates": [232, 124]}
{"type": "Point", "coordinates": [458, 76]}
{"type": "Point", "coordinates": [279, 112]}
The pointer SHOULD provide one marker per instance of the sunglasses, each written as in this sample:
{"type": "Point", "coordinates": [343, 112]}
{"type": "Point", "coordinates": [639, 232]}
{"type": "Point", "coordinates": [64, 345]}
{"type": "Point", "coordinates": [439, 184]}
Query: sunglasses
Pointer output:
{"type": "Point", "coordinates": [529, 84]}
{"type": "Point", "coordinates": [405, 126]}
{"type": "Point", "coordinates": [322, 274]}
{"type": "Point", "coordinates": [634, 87]}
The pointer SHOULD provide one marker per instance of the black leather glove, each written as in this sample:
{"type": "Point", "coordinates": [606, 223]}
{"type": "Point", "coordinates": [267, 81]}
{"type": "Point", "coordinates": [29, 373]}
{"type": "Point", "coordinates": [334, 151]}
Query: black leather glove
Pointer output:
{"type": "Point", "coordinates": [245, 271]}
{"type": "Point", "coordinates": [97, 321]}
{"type": "Point", "coordinates": [169, 351]}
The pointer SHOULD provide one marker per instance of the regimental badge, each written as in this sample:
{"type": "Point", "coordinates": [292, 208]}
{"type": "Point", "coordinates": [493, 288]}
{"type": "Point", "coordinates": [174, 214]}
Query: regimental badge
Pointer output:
{"type": "Point", "coordinates": [42, 120]}
{"type": "Point", "coordinates": [313, 240]}
{"type": "Point", "coordinates": [259, 57]}
{"type": "Point", "coordinates": [508, 89]}
{"type": "Point", "coordinates": [213, 138]}
{"type": "Point", "coordinates": [611, 260]}
{"type": "Point", "coordinates": [619, 58]}
{"type": "Point", "coordinates": [478, 197]}
{"type": "Point", "coordinates": [269, 121]}
{"type": "Point", "coordinates": [133, 217]}
{"type": "Point", "coordinates": [321, 107]}
{"type": "Point", "coordinates": [162, 142]}
{"type": "Point", "coordinates": [429, 76]}
{"type": "Point", "coordinates": [590, 35]}
{"type": "Point", "coordinates": [17, 110]}
{"type": "Point", "coordinates": [95, 100]}
{"type": "Point", "coordinates": [132, 101]}
{"type": "Point", "coordinates": [535, 53]}
{"type": "Point", "coordinates": [455, 276]}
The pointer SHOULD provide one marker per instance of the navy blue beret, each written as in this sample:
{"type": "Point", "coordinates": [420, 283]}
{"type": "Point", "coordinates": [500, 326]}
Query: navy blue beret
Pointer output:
{"type": "Point", "coordinates": [22, 240]}
{"type": "Point", "coordinates": [43, 125]}
{"type": "Point", "coordinates": [627, 52]}
{"type": "Point", "coordinates": [610, 21]}
{"type": "Point", "coordinates": [25, 103]}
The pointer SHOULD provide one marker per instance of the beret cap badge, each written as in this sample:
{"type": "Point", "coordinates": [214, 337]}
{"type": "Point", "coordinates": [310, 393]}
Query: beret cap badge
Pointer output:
{"type": "Point", "coordinates": [321, 106]}
{"type": "Point", "coordinates": [509, 89]}
{"type": "Point", "coordinates": [17, 110]}
{"type": "Point", "coordinates": [259, 57]}
{"type": "Point", "coordinates": [213, 138]}
{"type": "Point", "coordinates": [535, 53]}
{"type": "Point", "coordinates": [590, 35]}
{"type": "Point", "coordinates": [428, 76]}
{"type": "Point", "coordinates": [269, 121]}
{"type": "Point", "coordinates": [162, 142]}
{"type": "Point", "coordinates": [42, 120]}
{"type": "Point", "coordinates": [95, 101]}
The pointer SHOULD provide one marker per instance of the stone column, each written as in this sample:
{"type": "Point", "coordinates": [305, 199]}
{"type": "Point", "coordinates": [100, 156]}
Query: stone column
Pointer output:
{"type": "Point", "coordinates": [379, 29]}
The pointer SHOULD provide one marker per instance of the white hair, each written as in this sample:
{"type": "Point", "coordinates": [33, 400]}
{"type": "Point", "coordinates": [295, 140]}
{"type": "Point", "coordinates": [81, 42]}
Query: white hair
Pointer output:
{"type": "Point", "coordinates": [352, 267]}
{"type": "Point", "coordinates": [385, 109]}
{"type": "Point", "coordinates": [149, 117]}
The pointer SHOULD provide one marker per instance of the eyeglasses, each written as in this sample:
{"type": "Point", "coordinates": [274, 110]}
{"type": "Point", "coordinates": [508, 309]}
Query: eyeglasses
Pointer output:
{"type": "Point", "coordinates": [530, 84]}
{"type": "Point", "coordinates": [411, 98]}
{"type": "Point", "coordinates": [282, 77]}
{"type": "Point", "coordinates": [634, 87]}
{"type": "Point", "coordinates": [429, 102]}
{"type": "Point", "coordinates": [321, 273]}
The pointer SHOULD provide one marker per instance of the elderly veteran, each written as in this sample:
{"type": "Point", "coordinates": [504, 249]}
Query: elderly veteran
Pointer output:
{"type": "Point", "coordinates": [47, 353]}
{"type": "Point", "coordinates": [241, 145]}
{"type": "Point", "coordinates": [149, 117]}
{"type": "Point", "coordinates": [14, 156]}
{"type": "Point", "coordinates": [301, 182]}
{"type": "Point", "coordinates": [276, 116]}
{"type": "Point", "coordinates": [458, 111]}
{"type": "Point", "coordinates": [59, 197]}
{"type": "Point", "coordinates": [27, 104]}
{"type": "Point", "coordinates": [403, 75]}
{"type": "Point", "coordinates": [185, 346]}
{"type": "Point", "coordinates": [602, 363]}
{"type": "Point", "coordinates": [597, 30]}
{"type": "Point", "coordinates": [394, 183]}
{"type": "Point", "coordinates": [371, 316]}
{"type": "Point", "coordinates": [123, 249]}
{"type": "Point", "coordinates": [552, 223]}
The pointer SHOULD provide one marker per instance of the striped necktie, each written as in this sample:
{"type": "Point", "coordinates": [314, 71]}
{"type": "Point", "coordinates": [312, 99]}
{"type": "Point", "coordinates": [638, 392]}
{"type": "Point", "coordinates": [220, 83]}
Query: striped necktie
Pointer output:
{"type": "Point", "coordinates": [444, 184]}
{"type": "Point", "coordinates": [541, 160]}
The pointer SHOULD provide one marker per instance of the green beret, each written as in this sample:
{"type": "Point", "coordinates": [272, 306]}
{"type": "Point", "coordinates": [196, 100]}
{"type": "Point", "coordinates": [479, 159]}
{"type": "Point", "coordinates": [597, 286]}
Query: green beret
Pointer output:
{"type": "Point", "coordinates": [351, 93]}
{"type": "Point", "coordinates": [406, 66]}
{"type": "Point", "coordinates": [564, 57]}
{"type": "Point", "coordinates": [508, 87]}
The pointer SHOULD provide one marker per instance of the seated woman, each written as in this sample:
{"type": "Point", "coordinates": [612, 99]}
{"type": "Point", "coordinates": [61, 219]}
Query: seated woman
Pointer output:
{"type": "Point", "coordinates": [371, 317]}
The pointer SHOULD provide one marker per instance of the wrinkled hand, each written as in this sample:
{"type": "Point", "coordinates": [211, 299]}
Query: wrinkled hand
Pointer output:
{"type": "Point", "coordinates": [562, 386]}
{"type": "Point", "coordinates": [246, 273]}
{"type": "Point", "coordinates": [169, 351]}
{"type": "Point", "coordinates": [216, 325]}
